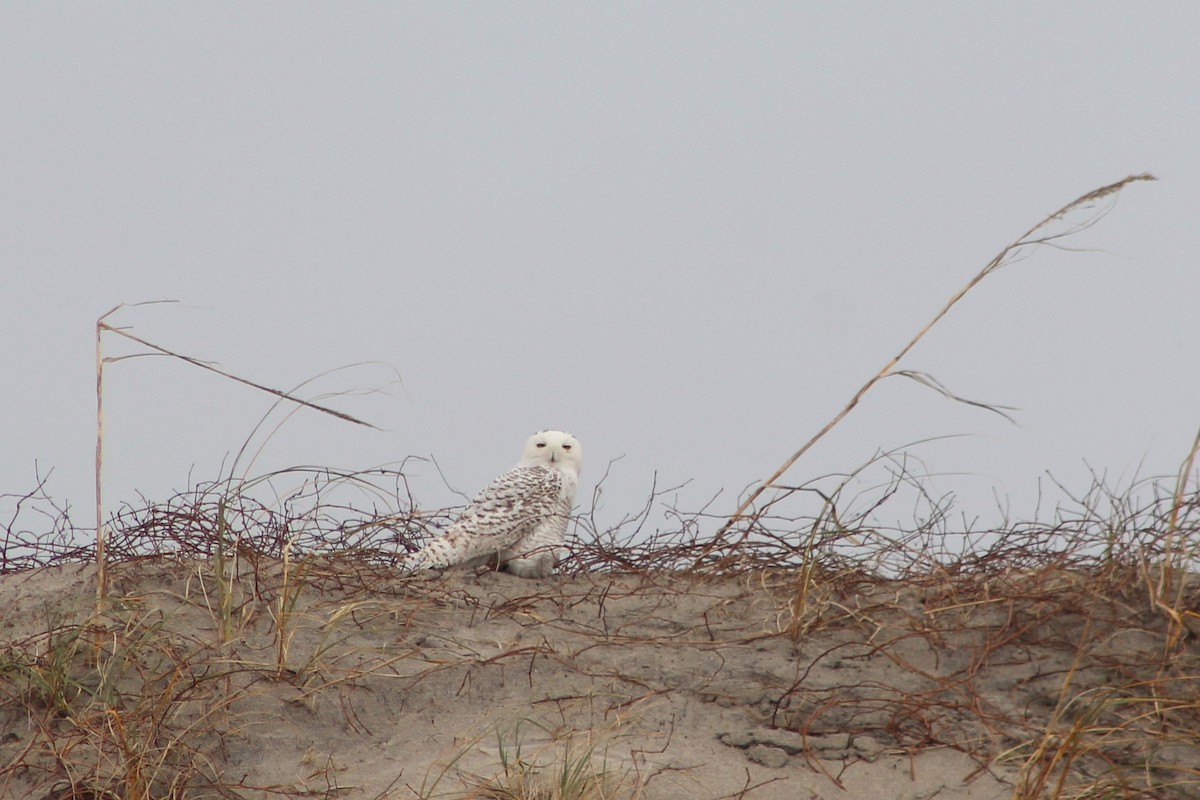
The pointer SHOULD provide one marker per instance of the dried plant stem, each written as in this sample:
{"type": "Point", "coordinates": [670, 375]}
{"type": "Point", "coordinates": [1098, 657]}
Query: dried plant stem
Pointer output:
{"type": "Point", "coordinates": [1180, 490]}
{"type": "Point", "coordinates": [101, 572]}
{"type": "Point", "coordinates": [1176, 558]}
{"type": "Point", "coordinates": [1001, 258]}
{"type": "Point", "coordinates": [198, 363]}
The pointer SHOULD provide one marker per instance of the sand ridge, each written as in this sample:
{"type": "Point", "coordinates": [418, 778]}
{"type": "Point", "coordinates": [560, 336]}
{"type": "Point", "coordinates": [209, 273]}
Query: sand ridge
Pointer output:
{"type": "Point", "coordinates": [324, 682]}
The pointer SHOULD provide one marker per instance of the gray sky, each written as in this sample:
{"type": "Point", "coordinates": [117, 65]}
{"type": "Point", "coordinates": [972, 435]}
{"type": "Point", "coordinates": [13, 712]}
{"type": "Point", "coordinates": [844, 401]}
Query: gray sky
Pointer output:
{"type": "Point", "coordinates": [684, 232]}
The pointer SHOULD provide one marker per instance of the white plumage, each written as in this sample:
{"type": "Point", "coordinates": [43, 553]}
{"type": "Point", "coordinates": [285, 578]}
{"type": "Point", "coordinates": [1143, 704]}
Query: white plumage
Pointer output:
{"type": "Point", "coordinates": [521, 517]}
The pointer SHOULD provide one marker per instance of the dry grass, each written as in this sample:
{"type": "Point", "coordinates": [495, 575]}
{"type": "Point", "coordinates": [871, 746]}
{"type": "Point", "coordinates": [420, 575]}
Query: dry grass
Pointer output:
{"type": "Point", "coordinates": [134, 704]}
{"type": "Point", "coordinates": [568, 768]}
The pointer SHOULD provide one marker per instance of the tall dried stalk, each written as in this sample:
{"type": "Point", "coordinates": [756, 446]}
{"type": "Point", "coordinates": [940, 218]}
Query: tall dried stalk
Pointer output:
{"type": "Point", "coordinates": [1185, 473]}
{"type": "Point", "coordinates": [101, 574]}
{"type": "Point", "coordinates": [1175, 558]}
{"type": "Point", "coordinates": [1001, 259]}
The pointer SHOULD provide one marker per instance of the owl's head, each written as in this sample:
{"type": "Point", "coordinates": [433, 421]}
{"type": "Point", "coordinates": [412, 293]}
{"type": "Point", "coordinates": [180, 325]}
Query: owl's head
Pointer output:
{"type": "Point", "coordinates": [553, 449]}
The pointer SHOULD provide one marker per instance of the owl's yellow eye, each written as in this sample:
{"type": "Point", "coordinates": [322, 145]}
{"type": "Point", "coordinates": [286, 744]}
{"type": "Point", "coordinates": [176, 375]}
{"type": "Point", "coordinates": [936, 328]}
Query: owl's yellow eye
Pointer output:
{"type": "Point", "coordinates": [541, 444]}
{"type": "Point", "coordinates": [566, 447]}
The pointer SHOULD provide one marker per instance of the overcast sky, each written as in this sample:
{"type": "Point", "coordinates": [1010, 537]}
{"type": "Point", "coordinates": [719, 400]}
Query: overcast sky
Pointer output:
{"type": "Point", "coordinates": [685, 232]}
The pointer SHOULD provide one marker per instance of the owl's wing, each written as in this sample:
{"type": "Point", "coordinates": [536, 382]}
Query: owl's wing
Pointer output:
{"type": "Point", "coordinates": [507, 509]}
{"type": "Point", "coordinates": [509, 505]}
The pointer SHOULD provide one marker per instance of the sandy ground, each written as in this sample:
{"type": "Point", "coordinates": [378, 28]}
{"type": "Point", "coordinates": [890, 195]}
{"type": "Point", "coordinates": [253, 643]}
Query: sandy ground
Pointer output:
{"type": "Point", "coordinates": [340, 683]}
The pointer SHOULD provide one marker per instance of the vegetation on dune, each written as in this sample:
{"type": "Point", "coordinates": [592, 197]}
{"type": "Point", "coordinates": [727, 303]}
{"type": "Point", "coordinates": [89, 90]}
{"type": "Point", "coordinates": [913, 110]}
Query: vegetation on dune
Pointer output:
{"type": "Point", "coordinates": [126, 696]}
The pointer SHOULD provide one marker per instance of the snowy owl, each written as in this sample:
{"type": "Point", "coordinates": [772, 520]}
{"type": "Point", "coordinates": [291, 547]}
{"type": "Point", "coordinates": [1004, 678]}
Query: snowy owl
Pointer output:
{"type": "Point", "coordinates": [520, 517]}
